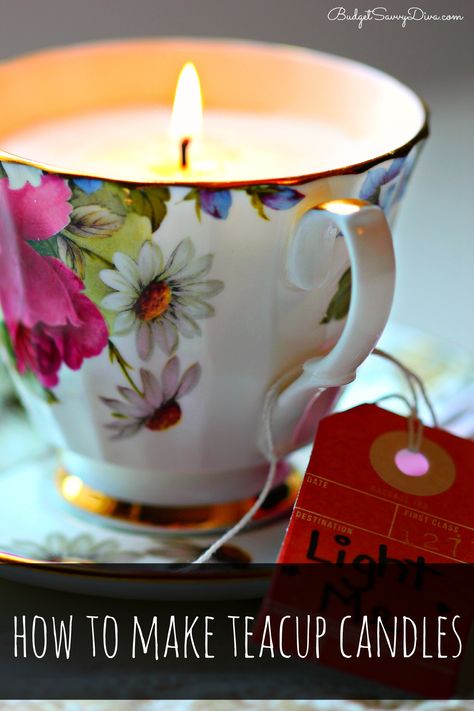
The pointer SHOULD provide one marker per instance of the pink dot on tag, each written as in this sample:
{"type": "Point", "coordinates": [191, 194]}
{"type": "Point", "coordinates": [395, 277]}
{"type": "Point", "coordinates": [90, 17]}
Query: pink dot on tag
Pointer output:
{"type": "Point", "coordinates": [411, 463]}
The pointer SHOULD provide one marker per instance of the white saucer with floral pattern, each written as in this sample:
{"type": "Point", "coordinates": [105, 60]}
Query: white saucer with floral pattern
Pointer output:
{"type": "Point", "coordinates": [49, 545]}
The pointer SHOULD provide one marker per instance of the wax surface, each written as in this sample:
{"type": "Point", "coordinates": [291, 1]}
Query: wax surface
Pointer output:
{"type": "Point", "coordinates": [134, 144]}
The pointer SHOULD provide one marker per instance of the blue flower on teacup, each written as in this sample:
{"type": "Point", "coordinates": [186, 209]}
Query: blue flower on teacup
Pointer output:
{"type": "Point", "coordinates": [18, 175]}
{"type": "Point", "coordinates": [217, 202]}
{"type": "Point", "coordinates": [276, 197]}
{"type": "Point", "coordinates": [88, 185]}
{"type": "Point", "coordinates": [83, 548]}
{"type": "Point", "coordinates": [161, 300]}
{"type": "Point", "coordinates": [280, 197]}
{"type": "Point", "coordinates": [407, 169]}
{"type": "Point", "coordinates": [156, 405]}
{"type": "Point", "coordinates": [380, 184]}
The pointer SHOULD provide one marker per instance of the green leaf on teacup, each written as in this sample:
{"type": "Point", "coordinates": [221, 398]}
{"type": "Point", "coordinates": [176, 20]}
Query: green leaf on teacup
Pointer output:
{"type": "Point", "coordinates": [109, 195]}
{"type": "Point", "coordinates": [116, 357]}
{"type": "Point", "coordinates": [50, 397]}
{"type": "Point", "coordinates": [3, 173]}
{"type": "Point", "coordinates": [46, 247]}
{"type": "Point", "coordinates": [194, 195]}
{"type": "Point", "coordinates": [257, 204]}
{"type": "Point", "coordinates": [94, 221]}
{"type": "Point", "coordinates": [7, 342]}
{"type": "Point", "coordinates": [30, 380]}
{"type": "Point", "coordinates": [339, 305]}
{"type": "Point", "coordinates": [71, 255]}
{"type": "Point", "coordinates": [151, 203]}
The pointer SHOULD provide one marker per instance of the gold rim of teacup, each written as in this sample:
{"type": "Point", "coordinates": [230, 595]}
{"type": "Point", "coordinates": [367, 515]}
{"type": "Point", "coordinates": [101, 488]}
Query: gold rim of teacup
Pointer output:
{"type": "Point", "coordinates": [351, 169]}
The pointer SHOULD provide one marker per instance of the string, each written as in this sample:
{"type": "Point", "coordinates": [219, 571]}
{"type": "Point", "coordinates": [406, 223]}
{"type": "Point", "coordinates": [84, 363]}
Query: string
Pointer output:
{"type": "Point", "coordinates": [415, 433]}
{"type": "Point", "coordinates": [396, 396]}
{"type": "Point", "coordinates": [415, 425]}
{"type": "Point", "coordinates": [270, 454]}
{"type": "Point", "coordinates": [411, 378]}
{"type": "Point", "coordinates": [406, 372]}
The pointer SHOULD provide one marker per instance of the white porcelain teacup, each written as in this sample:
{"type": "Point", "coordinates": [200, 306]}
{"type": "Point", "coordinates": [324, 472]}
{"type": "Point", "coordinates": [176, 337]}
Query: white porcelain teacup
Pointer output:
{"type": "Point", "coordinates": [143, 337]}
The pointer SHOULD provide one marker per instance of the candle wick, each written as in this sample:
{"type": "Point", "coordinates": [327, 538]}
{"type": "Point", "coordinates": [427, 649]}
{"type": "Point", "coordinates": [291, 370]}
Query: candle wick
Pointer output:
{"type": "Point", "coordinates": [184, 152]}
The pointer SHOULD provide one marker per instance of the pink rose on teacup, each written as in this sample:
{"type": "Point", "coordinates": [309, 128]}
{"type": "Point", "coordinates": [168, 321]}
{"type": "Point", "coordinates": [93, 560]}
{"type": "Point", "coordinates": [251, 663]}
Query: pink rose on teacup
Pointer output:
{"type": "Point", "coordinates": [49, 319]}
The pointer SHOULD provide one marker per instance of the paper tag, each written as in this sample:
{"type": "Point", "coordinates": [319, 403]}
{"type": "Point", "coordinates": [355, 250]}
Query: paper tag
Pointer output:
{"type": "Point", "coordinates": [353, 488]}
{"type": "Point", "coordinates": [392, 542]}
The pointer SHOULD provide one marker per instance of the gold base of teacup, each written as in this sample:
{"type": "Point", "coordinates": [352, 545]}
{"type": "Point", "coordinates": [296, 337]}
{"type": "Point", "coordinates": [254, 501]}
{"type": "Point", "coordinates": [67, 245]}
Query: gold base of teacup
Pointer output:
{"type": "Point", "coordinates": [175, 519]}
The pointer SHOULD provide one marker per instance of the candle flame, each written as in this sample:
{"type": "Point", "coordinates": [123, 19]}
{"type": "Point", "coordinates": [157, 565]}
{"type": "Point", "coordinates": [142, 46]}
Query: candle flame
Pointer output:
{"type": "Point", "coordinates": [186, 118]}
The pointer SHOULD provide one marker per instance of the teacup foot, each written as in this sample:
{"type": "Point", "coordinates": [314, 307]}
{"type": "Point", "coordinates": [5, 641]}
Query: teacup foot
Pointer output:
{"type": "Point", "coordinates": [176, 519]}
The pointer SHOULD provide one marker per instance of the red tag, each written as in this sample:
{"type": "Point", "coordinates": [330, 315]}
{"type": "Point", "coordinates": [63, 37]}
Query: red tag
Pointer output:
{"type": "Point", "coordinates": [354, 487]}
{"type": "Point", "coordinates": [359, 515]}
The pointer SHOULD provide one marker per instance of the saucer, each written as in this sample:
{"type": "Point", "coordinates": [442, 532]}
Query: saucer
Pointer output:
{"type": "Point", "coordinates": [49, 545]}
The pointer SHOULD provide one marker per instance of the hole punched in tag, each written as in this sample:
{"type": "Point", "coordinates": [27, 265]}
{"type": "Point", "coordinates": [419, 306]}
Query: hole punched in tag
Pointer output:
{"type": "Point", "coordinates": [406, 459]}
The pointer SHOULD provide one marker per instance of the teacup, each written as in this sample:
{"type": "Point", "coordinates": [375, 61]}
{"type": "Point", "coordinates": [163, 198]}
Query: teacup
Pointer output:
{"type": "Point", "coordinates": [145, 323]}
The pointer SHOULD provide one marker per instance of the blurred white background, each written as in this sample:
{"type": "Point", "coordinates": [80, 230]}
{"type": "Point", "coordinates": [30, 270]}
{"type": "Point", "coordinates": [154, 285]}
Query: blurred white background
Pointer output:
{"type": "Point", "coordinates": [434, 236]}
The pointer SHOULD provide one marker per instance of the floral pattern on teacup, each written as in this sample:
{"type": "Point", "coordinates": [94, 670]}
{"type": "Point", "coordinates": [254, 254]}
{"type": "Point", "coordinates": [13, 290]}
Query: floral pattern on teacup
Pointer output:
{"type": "Point", "coordinates": [217, 202]}
{"type": "Point", "coordinates": [380, 183]}
{"type": "Point", "coordinates": [49, 319]}
{"type": "Point", "coordinates": [83, 264]}
{"type": "Point", "coordinates": [383, 185]}
{"type": "Point", "coordinates": [18, 175]}
{"type": "Point", "coordinates": [160, 300]}
{"type": "Point", "coordinates": [156, 406]}
{"type": "Point", "coordinates": [276, 197]}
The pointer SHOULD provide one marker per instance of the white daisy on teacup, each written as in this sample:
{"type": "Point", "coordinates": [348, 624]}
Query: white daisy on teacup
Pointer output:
{"type": "Point", "coordinates": [161, 300]}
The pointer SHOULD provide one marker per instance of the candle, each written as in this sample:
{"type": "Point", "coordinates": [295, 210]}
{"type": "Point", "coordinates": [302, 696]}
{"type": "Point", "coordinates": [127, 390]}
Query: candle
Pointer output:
{"type": "Point", "coordinates": [131, 144]}
{"type": "Point", "coordinates": [150, 143]}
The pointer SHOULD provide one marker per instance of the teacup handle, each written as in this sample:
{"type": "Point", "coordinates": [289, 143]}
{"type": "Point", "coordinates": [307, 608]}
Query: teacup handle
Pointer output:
{"type": "Point", "coordinates": [369, 243]}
